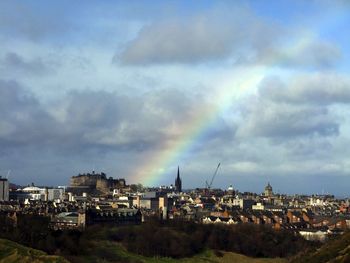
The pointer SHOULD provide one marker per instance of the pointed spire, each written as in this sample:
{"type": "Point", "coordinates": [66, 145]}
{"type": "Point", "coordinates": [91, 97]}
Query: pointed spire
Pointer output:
{"type": "Point", "coordinates": [178, 184]}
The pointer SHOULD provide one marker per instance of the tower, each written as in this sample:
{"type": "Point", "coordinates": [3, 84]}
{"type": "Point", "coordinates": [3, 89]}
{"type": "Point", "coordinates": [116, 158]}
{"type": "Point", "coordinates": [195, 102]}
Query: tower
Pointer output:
{"type": "Point", "coordinates": [268, 190]}
{"type": "Point", "coordinates": [178, 183]}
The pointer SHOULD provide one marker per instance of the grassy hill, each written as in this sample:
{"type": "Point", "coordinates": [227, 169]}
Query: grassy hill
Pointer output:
{"type": "Point", "coordinates": [334, 251]}
{"type": "Point", "coordinates": [11, 252]}
{"type": "Point", "coordinates": [107, 251]}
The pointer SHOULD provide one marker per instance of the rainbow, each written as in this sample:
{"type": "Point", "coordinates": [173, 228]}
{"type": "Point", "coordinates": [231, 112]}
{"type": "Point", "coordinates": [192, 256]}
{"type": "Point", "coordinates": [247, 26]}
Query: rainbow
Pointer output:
{"type": "Point", "coordinates": [229, 90]}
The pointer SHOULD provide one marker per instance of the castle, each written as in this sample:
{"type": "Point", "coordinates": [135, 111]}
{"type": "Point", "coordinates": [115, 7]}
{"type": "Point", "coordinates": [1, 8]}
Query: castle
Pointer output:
{"type": "Point", "coordinates": [94, 184]}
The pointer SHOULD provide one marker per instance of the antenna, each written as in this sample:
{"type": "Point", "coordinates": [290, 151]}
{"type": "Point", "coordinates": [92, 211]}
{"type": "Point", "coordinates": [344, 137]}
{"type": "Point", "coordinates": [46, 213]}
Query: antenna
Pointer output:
{"type": "Point", "coordinates": [8, 174]}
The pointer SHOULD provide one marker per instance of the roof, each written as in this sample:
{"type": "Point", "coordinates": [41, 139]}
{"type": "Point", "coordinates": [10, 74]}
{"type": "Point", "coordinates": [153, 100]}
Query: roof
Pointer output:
{"type": "Point", "coordinates": [67, 214]}
{"type": "Point", "coordinates": [31, 189]}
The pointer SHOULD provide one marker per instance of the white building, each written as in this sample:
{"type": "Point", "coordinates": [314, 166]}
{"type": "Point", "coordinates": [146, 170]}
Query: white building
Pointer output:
{"type": "Point", "coordinates": [44, 194]}
{"type": "Point", "coordinates": [258, 206]}
{"type": "Point", "coordinates": [34, 192]}
{"type": "Point", "coordinates": [55, 194]}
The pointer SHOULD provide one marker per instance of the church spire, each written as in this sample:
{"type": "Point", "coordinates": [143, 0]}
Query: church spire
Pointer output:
{"type": "Point", "coordinates": [178, 183]}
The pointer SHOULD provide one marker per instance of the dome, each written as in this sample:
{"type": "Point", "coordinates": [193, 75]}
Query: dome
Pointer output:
{"type": "Point", "coordinates": [230, 188]}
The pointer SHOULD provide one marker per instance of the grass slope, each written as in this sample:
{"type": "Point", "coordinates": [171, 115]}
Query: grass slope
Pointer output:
{"type": "Point", "coordinates": [334, 251]}
{"type": "Point", "coordinates": [107, 251]}
{"type": "Point", "coordinates": [11, 252]}
{"type": "Point", "coordinates": [229, 257]}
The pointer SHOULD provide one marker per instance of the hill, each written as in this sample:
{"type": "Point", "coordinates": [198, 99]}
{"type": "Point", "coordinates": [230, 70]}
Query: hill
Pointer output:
{"type": "Point", "coordinates": [107, 251]}
{"type": "Point", "coordinates": [11, 252]}
{"type": "Point", "coordinates": [334, 251]}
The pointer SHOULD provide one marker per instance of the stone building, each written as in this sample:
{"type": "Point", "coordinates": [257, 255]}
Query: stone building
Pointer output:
{"type": "Point", "coordinates": [94, 184]}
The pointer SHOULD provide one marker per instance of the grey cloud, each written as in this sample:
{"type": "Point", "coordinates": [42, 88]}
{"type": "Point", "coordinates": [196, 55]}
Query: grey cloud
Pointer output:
{"type": "Point", "coordinates": [221, 35]}
{"type": "Point", "coordinates": [177, 42]}
{"type": "Point", "coordinates": [283, 121]}
{"type": "Point", "coordinates": [321, 54]}
{"type": "Point", "coordinates": [114, 131]}
{"type": "Point", "coordinates": [22, 118]}
{"type": "Point", "coordinates": [316, 89]}
{"type": "Point", "coordinates": [23, 20]}
{"type": "Point", "coordinates": [200, 38]}
{"type": "Point", "coordinates": [14, 62]}
{"type": "Point", "coordinates": [100, 120]}
{"type": "Point", "coordinates": [106, 120]}
{"type": "Point", "coordinates": [316, 53]}
{"type": "Point", "coordinates": [47, 143]}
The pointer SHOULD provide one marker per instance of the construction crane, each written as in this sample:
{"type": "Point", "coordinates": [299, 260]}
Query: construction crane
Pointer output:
{"type": "Point", "coordinates": [208, 186]}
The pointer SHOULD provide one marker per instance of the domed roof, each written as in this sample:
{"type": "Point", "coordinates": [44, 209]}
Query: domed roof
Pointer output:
{"type": "Point", "coordinates": [230, 188]}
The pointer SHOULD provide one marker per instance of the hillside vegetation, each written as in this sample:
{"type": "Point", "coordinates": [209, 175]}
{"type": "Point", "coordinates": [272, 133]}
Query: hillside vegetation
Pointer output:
{"type": "Point", "coordinates": [175, 239]}
{"type": "Point", "coordinates": [334, 251]}
{"type": "Point", "coordinates": [11, 252]}
{"type": "Point", "coordinates": [108, 251]}
{"type": "Point", "coordinates": [179, 239]}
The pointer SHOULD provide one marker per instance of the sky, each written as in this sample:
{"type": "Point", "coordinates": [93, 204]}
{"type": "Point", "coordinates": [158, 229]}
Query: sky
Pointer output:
{"type": "Point", "coordinates": [137, 88]}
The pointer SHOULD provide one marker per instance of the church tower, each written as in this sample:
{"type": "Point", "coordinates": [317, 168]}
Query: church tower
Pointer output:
{"type": "Point", "coordinates": [178, 183]}
{"type": "Point", "coordinates": [268, 190]}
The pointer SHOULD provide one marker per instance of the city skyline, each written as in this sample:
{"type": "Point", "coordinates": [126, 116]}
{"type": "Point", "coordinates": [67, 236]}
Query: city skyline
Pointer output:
{"type": "Point", "coordinates": [136, 90]}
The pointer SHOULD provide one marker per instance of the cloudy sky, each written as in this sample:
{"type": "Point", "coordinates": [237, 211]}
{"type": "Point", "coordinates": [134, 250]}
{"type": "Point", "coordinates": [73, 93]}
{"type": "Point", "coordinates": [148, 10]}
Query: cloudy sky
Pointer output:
{"type": "Point", "coordinates": [136, 88]}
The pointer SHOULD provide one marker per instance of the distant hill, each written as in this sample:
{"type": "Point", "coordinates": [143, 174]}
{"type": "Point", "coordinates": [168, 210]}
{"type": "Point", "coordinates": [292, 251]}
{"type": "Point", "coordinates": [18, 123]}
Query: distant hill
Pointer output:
{"type": "Point", "coordinates": [11, 252]}
{"type": "Point", "coordinates": [334, 251]}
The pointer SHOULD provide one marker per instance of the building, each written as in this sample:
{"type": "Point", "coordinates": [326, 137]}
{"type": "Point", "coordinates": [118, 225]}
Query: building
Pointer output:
{"type": "Point", "coordinates": [4, 189]}
{"type": "Point", "coordinates": [55, 194]}
{"type": "Point", "coordinates": [35, 193]}
{"type": "Point", "coordinates": [119, 216]}
{"type": "Point", "coordinates": [32, 193]}
{"type": "Point", "coordinates": [94, 184]}
{"type": "Point", "coordinates": [268, 190]}
{"type": "Point", "coordinates": [230, 190]}
{"type": "Point", "coordinates": [68, 220]}
{"type": "Point", "coordinates": [178, 183]}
